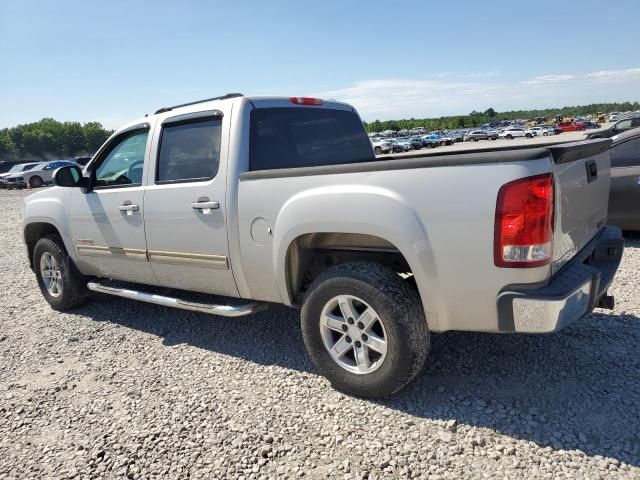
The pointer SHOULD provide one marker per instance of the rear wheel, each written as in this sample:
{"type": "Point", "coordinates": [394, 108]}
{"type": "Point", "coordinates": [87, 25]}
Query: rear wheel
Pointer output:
{"type": "Point", "coordinates": [61, 284]}
{"type": "Point", "coordinates": [510, 137]}
{"type": "Point", "coordinates": [378, 150]}
{"type": "Point", "coordinates": [528, 135]}
{"type": "Point", "coordinates": [365, 329]}
{"type": "Point", "coordinates": [35, 182]}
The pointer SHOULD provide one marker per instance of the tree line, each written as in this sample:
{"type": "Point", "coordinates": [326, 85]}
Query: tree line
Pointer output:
{"type": "Point", "coordinates": [49, 139]}
{"type": "Point", "coordinates": [475, 119]}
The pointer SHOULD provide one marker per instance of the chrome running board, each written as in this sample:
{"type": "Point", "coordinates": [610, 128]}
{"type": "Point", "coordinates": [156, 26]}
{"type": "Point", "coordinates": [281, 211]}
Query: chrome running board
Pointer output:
{"type": "Point", "coordinates": [222, 310]}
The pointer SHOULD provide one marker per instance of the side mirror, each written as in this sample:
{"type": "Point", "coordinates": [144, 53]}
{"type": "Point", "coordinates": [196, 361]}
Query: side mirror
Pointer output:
{"type": "Point", "coordinates": [69, 176]}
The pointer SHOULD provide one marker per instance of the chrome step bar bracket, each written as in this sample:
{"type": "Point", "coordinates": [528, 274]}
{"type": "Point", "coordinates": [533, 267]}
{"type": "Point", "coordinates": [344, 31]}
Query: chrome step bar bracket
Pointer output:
{"type": "Point", "coordinates": [212, 309]}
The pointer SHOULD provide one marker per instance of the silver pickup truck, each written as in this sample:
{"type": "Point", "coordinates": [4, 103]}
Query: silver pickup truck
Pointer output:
{"type": "Point", "coordinates": [282, 200]}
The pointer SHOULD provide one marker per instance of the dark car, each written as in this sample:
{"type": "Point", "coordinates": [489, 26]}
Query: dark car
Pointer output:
{"type": "Point", "coordinates": [618, 127]}
{"type": "Point", "coordinates": [624, 196]}
{"type": "Point", "coordinates": [475, 135]}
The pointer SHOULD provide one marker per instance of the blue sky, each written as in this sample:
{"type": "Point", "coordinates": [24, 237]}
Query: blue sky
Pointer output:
{"type": "Point", "coordinates": [114, 61]}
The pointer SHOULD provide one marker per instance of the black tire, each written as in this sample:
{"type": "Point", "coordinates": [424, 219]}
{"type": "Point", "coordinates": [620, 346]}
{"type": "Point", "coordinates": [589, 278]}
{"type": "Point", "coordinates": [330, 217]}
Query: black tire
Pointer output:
{"type": "Point", "coordinates": [509, 137]}
{"type": "Point", "coordinates": [74, 285]}
{"type": "Point", "coordinates": [377, 150]}
{"type": "Point", "coordinates": [399, 307]}
{"type": "Point", "coordinates": [35, 182]}
{"type": "Point", "coordinates": [546, 134]}
{"type": "Point", "coordinates": [528, 135]}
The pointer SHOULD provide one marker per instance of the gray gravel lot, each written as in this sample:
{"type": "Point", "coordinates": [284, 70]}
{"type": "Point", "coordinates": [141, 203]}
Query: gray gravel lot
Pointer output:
{"type": "Point", "coordinates": [123, 389]}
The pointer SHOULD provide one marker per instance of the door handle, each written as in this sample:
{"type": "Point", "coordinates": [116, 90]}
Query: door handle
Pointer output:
{"type": "Point", "coordinates": [129, 208]}
{"type": "Point", "coordinates": [205, 205]}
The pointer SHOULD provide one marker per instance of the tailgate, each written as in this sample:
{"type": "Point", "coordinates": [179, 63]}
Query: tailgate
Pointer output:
{"type": "Point", "coordinates": [582, 172]}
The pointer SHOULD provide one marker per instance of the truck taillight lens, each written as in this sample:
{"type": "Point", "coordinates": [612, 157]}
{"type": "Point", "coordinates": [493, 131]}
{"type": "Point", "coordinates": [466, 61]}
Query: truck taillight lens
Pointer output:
{"type": "Point", "coordinates": [306, 101]}
{"type": "Point", "coordinates": [524, 223]}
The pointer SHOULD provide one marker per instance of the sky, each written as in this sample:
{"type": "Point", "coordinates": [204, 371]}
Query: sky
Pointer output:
{"type": "Point", "coordinates": [113, 61]}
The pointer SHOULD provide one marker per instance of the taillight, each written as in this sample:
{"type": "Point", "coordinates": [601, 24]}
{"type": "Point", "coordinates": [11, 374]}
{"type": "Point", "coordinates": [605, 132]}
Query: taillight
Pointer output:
{"type": "Point", "coordinates": [524, 222]}
{"type": "Point", "coordinates": [306, 101]}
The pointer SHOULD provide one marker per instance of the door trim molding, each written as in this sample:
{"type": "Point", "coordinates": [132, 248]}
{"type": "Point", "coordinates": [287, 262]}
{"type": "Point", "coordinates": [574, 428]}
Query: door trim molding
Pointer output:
{"type": "Point", "coordinates": [219, 262]}
{"type": "Point", "coordinates": [113, 252]}
{"type": "Point", "coordinates": [188, 259]}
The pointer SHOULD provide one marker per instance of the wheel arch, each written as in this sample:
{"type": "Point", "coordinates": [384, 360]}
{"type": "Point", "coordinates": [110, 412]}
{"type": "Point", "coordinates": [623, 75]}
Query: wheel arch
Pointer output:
{"type": "Point", "coordinates": [335, 226]}
{"type": "Point", "coordinates": [33, 232]}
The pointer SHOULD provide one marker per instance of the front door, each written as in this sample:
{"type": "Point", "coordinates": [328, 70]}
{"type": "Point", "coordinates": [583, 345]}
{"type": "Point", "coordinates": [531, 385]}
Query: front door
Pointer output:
{"type": "Point", "coordinates": [107, 223]}
{"type": "Point", "coordinates": [185, 208]}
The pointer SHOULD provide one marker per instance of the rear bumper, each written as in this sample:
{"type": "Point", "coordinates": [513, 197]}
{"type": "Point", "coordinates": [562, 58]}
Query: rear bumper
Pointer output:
{"type": "Point", "coordinates": [572, 292]}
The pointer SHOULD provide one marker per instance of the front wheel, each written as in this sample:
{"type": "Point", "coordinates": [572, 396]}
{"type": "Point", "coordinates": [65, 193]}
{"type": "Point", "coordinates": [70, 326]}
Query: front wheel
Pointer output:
{"type": "Point", "coordinates": [61, 284]}
{"type": "Point", "coordinates": [35, 182]}
{"type": "Point", "coordinates": [377, 150]}
{"type": "Point", "coordinates": [365, 329]}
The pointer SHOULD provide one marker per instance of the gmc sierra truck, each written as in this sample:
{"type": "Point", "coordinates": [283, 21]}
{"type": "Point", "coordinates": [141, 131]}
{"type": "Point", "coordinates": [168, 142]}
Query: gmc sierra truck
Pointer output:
{"type": "Point", "coordinates": [257, 200]}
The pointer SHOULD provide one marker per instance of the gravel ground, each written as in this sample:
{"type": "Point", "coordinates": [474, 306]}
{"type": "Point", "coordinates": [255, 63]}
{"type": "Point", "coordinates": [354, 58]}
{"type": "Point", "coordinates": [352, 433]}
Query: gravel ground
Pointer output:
{"type": "Point", "coordinates": [123, 389]}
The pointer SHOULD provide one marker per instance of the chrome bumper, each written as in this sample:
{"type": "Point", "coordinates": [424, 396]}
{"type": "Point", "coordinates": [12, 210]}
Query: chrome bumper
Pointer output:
{"type": "Point", "coordinates": [571, 293]}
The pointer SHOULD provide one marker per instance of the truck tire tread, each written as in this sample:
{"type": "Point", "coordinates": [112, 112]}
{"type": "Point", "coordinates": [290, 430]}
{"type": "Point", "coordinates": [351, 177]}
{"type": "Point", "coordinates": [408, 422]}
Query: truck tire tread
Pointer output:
{"type": "Point", "coordinates": [74, 290]}
{"type": "Point", "coordinates": [397, 299]}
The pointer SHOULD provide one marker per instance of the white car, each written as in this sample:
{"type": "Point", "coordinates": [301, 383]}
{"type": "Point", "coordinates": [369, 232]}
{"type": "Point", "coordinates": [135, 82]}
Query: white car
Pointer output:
{"type": "Point", "coordinates": [381, 145]}
{"type": "Point", "coordinates": [510, 133]}
{"type": "Point", "coordinates": [543, 131]}
{"type": "Point", "coordinates": [19, 168]}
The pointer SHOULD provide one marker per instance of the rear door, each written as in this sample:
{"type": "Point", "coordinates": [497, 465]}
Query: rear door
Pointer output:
{"type": "Point", "coordinates": [624, 199]}
{"type": "Point", "coordinates": [582, 174]}
{"type": "Point", "coordinates": [185, 208]}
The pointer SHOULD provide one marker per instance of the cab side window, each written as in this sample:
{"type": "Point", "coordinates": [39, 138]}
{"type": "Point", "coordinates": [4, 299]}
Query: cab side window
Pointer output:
{"type": "Point", "coordinates": [626, 154]}
{"type": "Point", "coordinates": [123, 163]}
{"type": "Point", "coordinates": [189, 151]}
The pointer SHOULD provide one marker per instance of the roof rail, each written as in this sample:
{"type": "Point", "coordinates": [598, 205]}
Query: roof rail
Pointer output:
{"type": "Point", "coordinates": [223, 97]}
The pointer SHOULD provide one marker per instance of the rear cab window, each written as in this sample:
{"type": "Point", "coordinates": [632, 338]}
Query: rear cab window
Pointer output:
{"type": "Point", "coordinates": [295, 137]}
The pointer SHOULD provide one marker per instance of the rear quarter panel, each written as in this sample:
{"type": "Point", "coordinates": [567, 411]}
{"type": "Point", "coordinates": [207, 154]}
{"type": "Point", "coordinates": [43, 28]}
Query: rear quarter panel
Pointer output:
{"type": "Point", "coordinates": [441, 219]}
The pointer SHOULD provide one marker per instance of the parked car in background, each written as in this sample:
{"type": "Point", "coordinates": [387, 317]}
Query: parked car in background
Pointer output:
{"type": "Point", "coordinates": [398, 145]}
{"type": "Point", "coordinates": [417, 131]}
{"type": "Point", "coordinates": [381, 145]}
{"type": "Point", "coordinates": [624, 195]}
{"type": "Point", "coordinates": [403, 133]}
{"type": "Point", "coordinates": [404, 143]}
{"type": "Point", "coordinates": [615, 129]}
{"type": "Point", "coordinates": [416, 142]}
{"type": "Point", "coordinates": [430, 140]}
{"type": "Point", "coordinates": [455, 135]}
{"type": "Point", "coordinates": [571, 126]}
{"type": "Point", "coordinates": [542, 131]}
{"type": "Point", "coordinates": [475, 135]}
{"type": "Point", "coordinates": [513, 132]}
{"type": "Point", "coordinates": [613, 116]}
{"type": "Point", "coordinates": [15, 172]}
{"type": "Point", "coordinates": [43, 173]}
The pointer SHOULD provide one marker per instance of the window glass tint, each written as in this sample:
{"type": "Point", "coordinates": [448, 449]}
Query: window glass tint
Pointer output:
{"type": "Point", "coordinates": [123, 164]}
{"type": "Point", "coordinates": [626, 154]}
{"type": "Point", "coordinates": [305, 137]}
{"type": "Point", "coordinates": [189, 151]}
{"type": "Point", "coordinates": [623, 125]}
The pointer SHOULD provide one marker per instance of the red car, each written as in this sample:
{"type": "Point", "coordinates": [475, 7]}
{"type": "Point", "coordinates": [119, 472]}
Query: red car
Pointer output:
{"type": "Point", "coordinates": [571, 127]}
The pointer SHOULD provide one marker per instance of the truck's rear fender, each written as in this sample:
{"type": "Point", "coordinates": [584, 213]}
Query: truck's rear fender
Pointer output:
{"type": "Point", "coordinates": [339, 209]}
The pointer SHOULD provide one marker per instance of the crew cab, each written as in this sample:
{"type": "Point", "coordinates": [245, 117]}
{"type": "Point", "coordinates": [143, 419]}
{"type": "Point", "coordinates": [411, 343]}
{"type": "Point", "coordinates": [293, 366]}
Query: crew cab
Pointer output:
{"type": "Point", "coordinates": [229, 205]}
